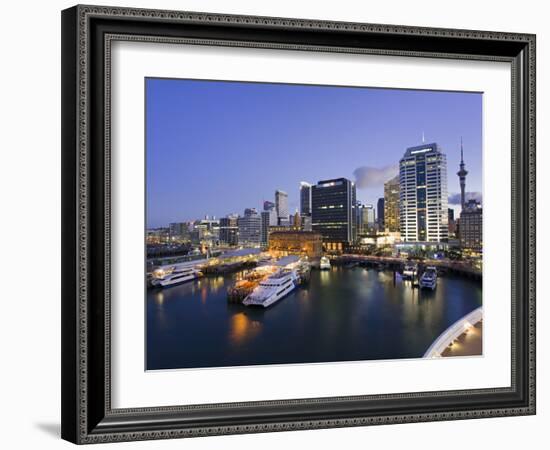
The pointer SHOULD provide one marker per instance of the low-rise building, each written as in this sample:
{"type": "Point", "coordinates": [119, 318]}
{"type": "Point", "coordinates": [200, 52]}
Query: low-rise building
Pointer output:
{"type": "Point", "coordinates": [307, 243]}
{"type": "Point", "coordinates": [471, 227]}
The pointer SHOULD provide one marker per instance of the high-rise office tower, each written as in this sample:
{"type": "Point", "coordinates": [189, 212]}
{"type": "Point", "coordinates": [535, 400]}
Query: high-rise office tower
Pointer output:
{"type": "Point", "coordinates": [229, 230]}
{"type": "Point", "coordinates": [281, 206]}
{"type": "Point", "coordinates": [333, 212]}
{"type": "Point", "coordinates": [250, 228]}
{"type": "Point", "coordinates": [360, 218]}
{"type": "Point", "coordinates": [452, 223]}
{"type": "Point", "coordinates": [305, 199]}
{"type": "Point", "coordinates": [370, 217]}
{"type": "Point", "coordinates": [391, 205]}
{"type": "Point", "coordinates": [380, 213]}
{"type": "Point", "coordinates": [423, 194]}
{"type": "Point", "coordinates": [269, 207]}
{"type": "Point", "coordinates": [266, 223]}
{"type": "Point", "coordinates": [365, 219]}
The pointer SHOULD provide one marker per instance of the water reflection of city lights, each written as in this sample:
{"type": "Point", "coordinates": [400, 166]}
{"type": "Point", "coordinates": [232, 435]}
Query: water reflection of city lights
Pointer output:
{"type": "Point", "coordinates": [243, 328]}
{"type": "Point", "coordinates": [215, 283]}
{"type": "Point", "coordinates": [159, 298]}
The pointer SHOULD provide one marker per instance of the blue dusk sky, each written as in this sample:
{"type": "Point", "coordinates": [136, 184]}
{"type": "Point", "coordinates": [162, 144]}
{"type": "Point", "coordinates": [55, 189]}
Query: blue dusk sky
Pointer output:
{"type": "Point", "coordinates": [219, 147]}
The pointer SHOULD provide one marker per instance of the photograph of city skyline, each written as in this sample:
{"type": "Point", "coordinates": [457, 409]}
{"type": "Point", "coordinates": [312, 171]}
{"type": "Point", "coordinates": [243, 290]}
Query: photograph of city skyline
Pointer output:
{"type": "Point", "coordinates": [292, 224]}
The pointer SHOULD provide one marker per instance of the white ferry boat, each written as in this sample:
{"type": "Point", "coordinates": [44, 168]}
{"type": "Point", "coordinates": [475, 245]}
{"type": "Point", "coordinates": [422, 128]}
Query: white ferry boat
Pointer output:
{"type": "Point", "coordinates": [174, 275]}
{"type": "Point", "coordinates": [410, 271]}
{"type": "Point", "coordinates": [272, 289]}
{"type": "Point", "coordinates": [429, 278]}
{"type": "Point", "coordinates": [324, 263]}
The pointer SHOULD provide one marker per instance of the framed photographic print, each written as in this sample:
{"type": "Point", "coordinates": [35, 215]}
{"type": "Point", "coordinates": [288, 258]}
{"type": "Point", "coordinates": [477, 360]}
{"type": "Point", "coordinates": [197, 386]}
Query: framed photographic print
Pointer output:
{"type": "Point", "coordinates": [280, 224]}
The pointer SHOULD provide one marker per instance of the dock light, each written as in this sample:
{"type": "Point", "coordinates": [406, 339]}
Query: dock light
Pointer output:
{"type": "Point", "coordinates": [467, 327]}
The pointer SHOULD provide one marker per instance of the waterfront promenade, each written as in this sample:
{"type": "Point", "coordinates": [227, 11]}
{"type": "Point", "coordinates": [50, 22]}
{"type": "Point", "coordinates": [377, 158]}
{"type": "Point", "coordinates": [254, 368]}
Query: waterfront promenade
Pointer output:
{"type": "Point", "coordinates": [467, 344]}
{"type": "Point", "coordinates": [462, 338]}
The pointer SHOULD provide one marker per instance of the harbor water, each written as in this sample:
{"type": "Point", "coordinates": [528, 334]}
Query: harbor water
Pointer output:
{"type": "Point", "coordinates": [342, 314]}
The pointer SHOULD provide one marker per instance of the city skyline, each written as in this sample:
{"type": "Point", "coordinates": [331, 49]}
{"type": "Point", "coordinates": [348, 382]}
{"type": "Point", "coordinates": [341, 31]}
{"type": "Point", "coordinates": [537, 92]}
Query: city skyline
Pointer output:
{"type": "Point", "coordinates": [196, 144]}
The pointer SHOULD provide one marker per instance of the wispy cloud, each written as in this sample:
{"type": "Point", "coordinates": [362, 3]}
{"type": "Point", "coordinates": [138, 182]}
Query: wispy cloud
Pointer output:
{"type": "Point", "coordinates": [368, 177]}
{"type": "Point", "coordinates": [454, 198]}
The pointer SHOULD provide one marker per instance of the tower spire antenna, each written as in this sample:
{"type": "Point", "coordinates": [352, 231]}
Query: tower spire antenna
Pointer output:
{"type": "Point", "coordinates": [462, 177]}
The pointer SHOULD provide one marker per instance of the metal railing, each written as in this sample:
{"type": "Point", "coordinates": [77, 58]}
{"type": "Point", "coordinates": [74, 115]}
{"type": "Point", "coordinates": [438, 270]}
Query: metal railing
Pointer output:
{"type": "Point", "coordinates": [453, 332]}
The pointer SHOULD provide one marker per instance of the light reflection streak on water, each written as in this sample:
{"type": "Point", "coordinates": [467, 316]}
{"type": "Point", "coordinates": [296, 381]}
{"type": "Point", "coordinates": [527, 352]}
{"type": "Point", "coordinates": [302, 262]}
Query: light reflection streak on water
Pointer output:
{"type": "Point", "coordinates": [325, 277]}
{"type": "Point", "coordinates": [243, 328]}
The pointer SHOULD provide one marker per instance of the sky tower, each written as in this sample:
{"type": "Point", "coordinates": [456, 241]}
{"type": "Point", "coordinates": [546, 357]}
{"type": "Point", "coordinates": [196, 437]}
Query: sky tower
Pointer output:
{"type": "Point", "coordinates": [462, 176]}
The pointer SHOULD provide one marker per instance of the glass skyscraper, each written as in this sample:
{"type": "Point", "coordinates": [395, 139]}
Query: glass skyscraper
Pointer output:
{"type": "Point", "coordinates": [264, 231]}
{"type": "Point", "coordinates": [380, 213]}
{"type": "Point", "coordinates": [333, 212]}
{"type": "Point", "coordinates": [305, 199]}
{"type": "Point", "coordinates": [423, 194]}
{"type": "Point", "coordinates": [391, 205]}
{"type": "Point", "coordinates": [281, 206]}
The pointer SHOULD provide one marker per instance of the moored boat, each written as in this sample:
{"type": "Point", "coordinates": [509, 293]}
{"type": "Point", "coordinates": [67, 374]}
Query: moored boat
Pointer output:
{"type": "Point", "coordinates": [324, 264]}
{"type": "Point", "coordinates": [170, 276]}
{"type": "Point", "coordinates": [272, 289]}
{"type": "Point", "coordinates": [410, 270]}
{"type": "Point", "coordinates": [428, 279]}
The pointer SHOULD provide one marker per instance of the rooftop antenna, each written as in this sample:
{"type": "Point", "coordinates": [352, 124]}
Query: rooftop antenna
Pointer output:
{"type": "Point", "coordinates": [423, 139]}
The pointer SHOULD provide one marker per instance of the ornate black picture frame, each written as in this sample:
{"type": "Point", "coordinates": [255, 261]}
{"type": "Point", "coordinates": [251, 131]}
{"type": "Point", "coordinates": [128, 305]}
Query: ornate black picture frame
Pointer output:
{"type": "Point", "coordinates": [87, 34]}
